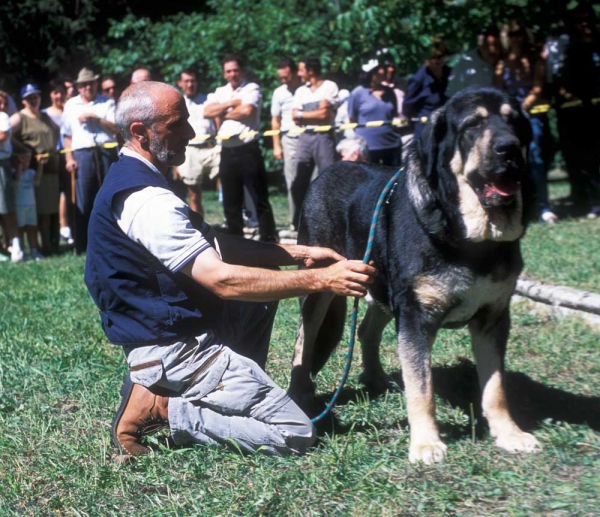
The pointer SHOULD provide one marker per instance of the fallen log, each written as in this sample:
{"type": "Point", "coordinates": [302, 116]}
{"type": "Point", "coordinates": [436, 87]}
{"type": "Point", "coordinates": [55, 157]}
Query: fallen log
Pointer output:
{"type": "Point", "coordinates": [559, 296]}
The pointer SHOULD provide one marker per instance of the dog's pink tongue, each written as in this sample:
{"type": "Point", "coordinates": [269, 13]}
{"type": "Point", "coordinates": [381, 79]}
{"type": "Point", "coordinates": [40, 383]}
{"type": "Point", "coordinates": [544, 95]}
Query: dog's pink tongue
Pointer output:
{"type": "Point", "coordinates": [506, 190]}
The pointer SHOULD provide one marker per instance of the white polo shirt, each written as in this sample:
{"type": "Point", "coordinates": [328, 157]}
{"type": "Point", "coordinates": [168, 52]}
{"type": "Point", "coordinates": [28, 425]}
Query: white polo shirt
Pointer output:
{"type": "Point", "coordinates": [248, 93]}
{"type": "Point", "coordinates": [158, 220]}
{"type": "Point", "coordinates": [90, 133]}
{"type": "Point", "coordinates": [281, 106]}
{"type": "Point", "coordinates": [306, 99]}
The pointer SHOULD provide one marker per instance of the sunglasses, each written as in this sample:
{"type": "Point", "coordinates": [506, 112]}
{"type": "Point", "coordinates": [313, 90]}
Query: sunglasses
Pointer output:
{"type": "Point", "coordinates": [108, 89]}
{"type": "Point", "coordinates": [516, 34]}
{"type": "Point", "coordinates": [86, 84]}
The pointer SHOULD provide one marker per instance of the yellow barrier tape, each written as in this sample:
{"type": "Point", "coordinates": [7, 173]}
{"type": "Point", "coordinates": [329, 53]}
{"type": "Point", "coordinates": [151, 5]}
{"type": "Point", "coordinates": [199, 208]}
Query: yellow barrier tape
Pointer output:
{"type": "Point", "coordinates": [108, 145]}
{"type": "Point", "coordinates": [397, 122]}
{"type": "Point", "coordinates": [247, 134]}
{"type": "Point", "coordinates": [201, 138]}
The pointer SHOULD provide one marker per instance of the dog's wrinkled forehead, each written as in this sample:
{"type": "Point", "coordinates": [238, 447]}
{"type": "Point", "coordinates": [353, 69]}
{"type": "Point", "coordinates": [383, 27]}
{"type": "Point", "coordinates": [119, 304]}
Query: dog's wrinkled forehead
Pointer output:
{"type": "Point", "coordinates": [482, 108]}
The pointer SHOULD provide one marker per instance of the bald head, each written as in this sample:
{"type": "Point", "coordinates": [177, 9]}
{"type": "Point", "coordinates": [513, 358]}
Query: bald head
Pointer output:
{"type": "Point", "coordinates": [145, 102]}
{"type": "Point", "coordinates": [140, 75]}
{"type": "Point", "coordinates": [153, 120]}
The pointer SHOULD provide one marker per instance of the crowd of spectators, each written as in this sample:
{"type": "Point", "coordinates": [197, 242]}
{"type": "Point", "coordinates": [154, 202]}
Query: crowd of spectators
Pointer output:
{"type": "Point", "coordinates": [59, 155]}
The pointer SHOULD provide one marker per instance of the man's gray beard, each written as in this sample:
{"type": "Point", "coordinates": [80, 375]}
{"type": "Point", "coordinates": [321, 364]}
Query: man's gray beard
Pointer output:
{"type": "Point", "coordinates": [162, 154]}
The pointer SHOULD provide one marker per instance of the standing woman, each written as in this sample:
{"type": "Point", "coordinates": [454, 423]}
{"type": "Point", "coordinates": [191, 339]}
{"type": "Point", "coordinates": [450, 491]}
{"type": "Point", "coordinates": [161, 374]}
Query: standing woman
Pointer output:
{"type": "Point", "coordinates": [7, 194]}
{"type": "Point", "coordinates": [372, 102]}
{"type": "Point", "coordinates": [58, 97]}
{"type": "Point", "coordinates": [522, 75]}
{"type": "Point", "coordinates": [426, 90]}
{"type": "Point", "coordinates": [36, 130]}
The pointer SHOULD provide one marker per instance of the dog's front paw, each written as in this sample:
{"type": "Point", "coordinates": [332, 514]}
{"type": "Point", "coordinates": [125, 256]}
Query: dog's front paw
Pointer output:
{"type": "Point", "coordinates": [378, 382]}
{"type": "Point", "coordinates": [518, 441]}
{"type": "Point", "coordinates": [428, 452]}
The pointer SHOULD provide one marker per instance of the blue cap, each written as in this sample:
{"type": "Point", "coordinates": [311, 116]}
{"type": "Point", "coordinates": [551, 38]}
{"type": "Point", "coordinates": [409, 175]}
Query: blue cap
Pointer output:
{"type": "Point", "coordinates": [29, 89]}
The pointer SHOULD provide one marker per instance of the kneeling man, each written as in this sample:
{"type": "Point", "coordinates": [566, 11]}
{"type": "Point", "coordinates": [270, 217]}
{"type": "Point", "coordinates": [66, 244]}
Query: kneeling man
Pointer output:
{"type": "Point", "coordinates": [193, 309]}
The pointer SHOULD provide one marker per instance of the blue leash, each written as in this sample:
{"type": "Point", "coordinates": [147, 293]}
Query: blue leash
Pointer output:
{"type": "Point", "coordinates": [354, 315]}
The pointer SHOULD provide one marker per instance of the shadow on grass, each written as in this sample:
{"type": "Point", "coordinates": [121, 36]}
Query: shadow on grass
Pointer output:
{"type": "Point", "coordinates": [530, 402]}
{"type": "Point", "coordinates": [567, 207]}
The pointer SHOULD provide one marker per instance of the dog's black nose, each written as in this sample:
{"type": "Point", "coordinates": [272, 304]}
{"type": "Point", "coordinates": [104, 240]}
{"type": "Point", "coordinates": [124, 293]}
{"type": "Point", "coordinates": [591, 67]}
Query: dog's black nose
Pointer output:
{"type": "Point", "coordinates": [507, 148]}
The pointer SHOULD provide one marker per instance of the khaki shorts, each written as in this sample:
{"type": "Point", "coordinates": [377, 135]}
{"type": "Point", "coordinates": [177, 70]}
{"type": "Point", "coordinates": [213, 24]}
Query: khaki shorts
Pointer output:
{"type": "Point", "coordinates": [200, 161]}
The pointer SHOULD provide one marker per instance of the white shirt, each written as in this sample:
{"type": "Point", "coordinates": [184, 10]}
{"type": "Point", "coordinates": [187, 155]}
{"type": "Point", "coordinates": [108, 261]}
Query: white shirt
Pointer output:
{"type": "Point", "coordinates": [88, 134]}
{"type": "Point", "coordinates": [158, 220]}
{"type": "Point", "coordinates": [281, 106]}
{"type": "Point", "coordinates": [6, 145]}
{"type": "Point", "coordinates": [202, 126]}
{"type": "Point", "coordinates": [306, 99]}
{"type": "Point", "coordinates": [248, 93]}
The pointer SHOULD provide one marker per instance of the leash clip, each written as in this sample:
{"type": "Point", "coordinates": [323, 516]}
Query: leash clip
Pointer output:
{"type": "Point", "coordinates": [387, 201]}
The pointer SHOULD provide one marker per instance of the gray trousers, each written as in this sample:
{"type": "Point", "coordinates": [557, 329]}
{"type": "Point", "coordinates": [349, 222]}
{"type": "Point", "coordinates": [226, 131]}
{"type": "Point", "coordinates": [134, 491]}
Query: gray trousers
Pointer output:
{"type": "Point", "coordinates": [289, 144]}
{"type": "Point", "coordinates": [313, 150]}
{"type": "Point", "coordinates": [220, 392]}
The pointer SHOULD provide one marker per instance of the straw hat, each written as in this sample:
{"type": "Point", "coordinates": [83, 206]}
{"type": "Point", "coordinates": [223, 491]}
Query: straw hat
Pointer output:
{"type": "Point", "coordinates": [86, 76]}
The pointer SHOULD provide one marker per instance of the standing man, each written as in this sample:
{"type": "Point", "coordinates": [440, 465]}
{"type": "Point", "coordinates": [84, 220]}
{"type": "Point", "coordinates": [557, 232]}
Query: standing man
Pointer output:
{"type": "Point", "coordinates": [477, 67]}
{"type": "Point", "coordinates": [108, 86]}
{"type": "Point", "coordinates": [314, 105]}
{"type": "Point", "coordinates": [193, 309]}
{"type": "Point", "coordinates": [90, 139]}
{"type": "Point", "coordinates": [284, 146]}
{"type": "Point", "coordinates": [201, 156]}
{"type": "Point", "coordinates": [139, 75]}
{"type": "Point", "coordinates": [235, 108]}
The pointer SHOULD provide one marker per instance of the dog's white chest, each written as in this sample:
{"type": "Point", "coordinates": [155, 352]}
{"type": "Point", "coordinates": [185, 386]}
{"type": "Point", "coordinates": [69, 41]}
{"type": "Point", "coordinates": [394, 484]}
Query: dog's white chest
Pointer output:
{"type": "Point", "coordinates": [483, 292]}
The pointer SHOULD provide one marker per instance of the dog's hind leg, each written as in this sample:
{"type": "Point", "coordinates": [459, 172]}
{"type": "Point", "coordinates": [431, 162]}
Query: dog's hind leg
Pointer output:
{"type": "Point", "coordinates": [369, 333]}
{"type": "Point", "coordinates": [489, 336]}
{"type": "Point", "coordinates": [414, 349]}
{"type": "Point", "coordinates": [314, 311]}
{"type": "Point", "coordinates": [330, 333]}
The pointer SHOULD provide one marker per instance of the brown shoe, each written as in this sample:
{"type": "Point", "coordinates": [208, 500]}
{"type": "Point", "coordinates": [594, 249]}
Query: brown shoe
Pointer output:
{"type": "Point", "coordinates": [141, 413]}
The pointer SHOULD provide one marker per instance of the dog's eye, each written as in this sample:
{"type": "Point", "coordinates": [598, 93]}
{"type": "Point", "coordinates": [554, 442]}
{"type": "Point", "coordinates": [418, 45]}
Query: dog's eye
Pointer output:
{"type": "Point", "coordinates": [471, 123]}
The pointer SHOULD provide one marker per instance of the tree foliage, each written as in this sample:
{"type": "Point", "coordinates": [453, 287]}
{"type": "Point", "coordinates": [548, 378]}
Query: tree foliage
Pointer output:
{"type": "Point", "coordinates": [43, 37]}
{"type": "Point", "coordinates": [342, 32]}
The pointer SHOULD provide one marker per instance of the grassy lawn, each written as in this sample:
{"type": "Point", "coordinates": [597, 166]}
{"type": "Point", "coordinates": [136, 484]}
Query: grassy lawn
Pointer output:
{"type": "Point", "coordinates": [59, 382]}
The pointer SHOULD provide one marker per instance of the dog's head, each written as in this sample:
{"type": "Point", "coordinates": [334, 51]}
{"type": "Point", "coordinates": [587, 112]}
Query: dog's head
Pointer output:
{"type": "Point", "coordinates": [469, 167]}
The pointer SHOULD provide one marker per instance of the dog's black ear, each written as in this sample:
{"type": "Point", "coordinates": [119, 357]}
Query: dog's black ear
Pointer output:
{"type": "Point", "coordinates": [525, 134]}
{"type": "Point", "coordinates": [425, 161]}
{"type": "Point", "coordinates": [520, 120]}
{"type": "Point", "coordinates": [522, 126]}
{"type": "Point", "coordinates": [431, 145]}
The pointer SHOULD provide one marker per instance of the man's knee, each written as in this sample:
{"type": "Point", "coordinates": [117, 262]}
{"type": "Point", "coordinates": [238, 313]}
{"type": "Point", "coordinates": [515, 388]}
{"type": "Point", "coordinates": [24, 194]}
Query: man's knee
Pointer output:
{"type": "Point", "coordinates": [301, 437]}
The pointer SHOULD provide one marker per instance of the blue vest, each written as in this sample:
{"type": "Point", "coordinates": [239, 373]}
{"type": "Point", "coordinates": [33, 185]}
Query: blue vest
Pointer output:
{"type": "Point", "coordinates": [141, 302]}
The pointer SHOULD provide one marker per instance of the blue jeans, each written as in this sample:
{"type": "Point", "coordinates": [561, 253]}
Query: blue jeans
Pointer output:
{"type": "Point", "coordinates": [538, 160]}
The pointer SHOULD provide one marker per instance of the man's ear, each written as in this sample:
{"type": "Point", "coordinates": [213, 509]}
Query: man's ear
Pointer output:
{"type": "Point", "coordinates": [139, 133]}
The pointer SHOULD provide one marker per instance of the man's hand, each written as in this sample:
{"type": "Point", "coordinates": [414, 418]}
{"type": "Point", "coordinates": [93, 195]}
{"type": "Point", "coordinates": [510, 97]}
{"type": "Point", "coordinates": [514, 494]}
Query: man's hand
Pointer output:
{"type": "Point", "coordinates": [71, 164]}
{"type": "Point", "coordinates": [313, 256]}
{"type": "Point", "coordinates": [277, 152]}
{"type": "Point", "coordinates": [42, 158]}
{"type": "Point", "coordinates": [88, 115]}
{"type": "Point", "coordinates": [349, 277]}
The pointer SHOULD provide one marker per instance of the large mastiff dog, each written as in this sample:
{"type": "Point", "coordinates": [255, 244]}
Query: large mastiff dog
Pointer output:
{"type": "Point", "coordinates": [447, 249]}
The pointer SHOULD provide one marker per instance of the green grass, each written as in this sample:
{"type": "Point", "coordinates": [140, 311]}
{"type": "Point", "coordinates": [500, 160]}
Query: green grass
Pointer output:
{"type": "Point", "coordinates": [59, 382]}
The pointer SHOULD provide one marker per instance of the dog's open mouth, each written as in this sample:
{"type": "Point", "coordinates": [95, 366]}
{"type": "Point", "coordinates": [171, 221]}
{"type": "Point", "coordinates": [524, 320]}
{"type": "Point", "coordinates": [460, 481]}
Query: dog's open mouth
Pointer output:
{"type": "Point", "coordinates": [498, 194]}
